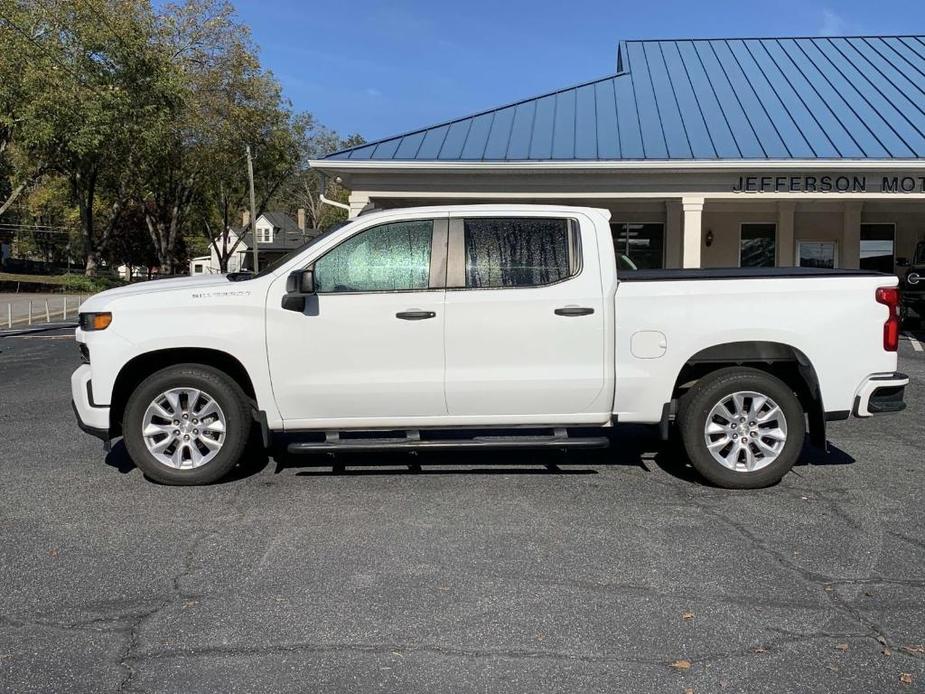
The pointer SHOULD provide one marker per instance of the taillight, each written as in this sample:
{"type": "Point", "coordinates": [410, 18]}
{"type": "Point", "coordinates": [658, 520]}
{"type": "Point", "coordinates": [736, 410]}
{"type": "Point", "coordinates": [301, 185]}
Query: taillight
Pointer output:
{"type": "Point", "coordinates": [889, 297]}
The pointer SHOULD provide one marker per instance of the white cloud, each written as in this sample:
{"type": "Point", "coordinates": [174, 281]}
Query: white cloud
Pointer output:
{"type": "Point", "coordinates": [832, 24]}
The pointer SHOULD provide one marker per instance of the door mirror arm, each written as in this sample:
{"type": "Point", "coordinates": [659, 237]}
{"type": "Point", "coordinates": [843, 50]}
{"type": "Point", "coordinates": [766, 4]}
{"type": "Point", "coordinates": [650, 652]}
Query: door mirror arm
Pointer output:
{"type": "Point", "coordinates": [299, 284]}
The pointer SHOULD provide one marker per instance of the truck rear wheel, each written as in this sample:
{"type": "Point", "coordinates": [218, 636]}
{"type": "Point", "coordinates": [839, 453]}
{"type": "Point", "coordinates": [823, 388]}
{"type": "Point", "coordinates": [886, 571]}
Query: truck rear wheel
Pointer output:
{"type": "Point", "coordinates": [186, 424]}
{"type": "Point", "coordinates": [742, 428]}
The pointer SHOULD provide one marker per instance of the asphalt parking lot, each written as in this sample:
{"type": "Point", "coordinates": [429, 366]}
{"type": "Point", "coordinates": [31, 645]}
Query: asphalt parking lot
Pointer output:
{"type": "Point", "coordinates": [602, 572]}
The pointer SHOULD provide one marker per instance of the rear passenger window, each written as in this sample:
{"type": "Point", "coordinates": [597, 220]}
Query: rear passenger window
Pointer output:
{"type": "Point", "coordinates": [519, 252]}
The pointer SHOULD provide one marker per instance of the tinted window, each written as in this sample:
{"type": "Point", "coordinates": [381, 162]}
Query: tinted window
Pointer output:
{"type": "Point", "coordinates": [391, 257]}
{"type": "Point", "coordinates": [757, 247]}
{"type": "Point", "coordinates": [642, 243]}
{"type": "Point", "coordinates": [816, 254]}
{"type": "Point", "coordinates": [877, 247]}
{"type": "Point", "coordinates": [524, 252]}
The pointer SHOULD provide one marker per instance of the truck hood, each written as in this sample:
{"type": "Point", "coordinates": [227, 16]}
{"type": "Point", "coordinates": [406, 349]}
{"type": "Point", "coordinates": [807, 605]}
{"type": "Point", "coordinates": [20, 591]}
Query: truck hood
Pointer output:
{"type": "Point", "coordinates": [99, 302]}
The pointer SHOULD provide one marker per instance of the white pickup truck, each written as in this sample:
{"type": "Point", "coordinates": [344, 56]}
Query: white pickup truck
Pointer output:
{"type": "Point", "coordinates": [489, 326]}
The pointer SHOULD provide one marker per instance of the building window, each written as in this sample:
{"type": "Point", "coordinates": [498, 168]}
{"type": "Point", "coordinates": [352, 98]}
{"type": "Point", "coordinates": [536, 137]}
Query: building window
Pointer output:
{"type": "Point", "coordinates": [758, 245]}
{"type": "Point", "coordinates": [643, 244]}
{"type": "Point", "coordinates": [522, 252]}
{"type": "Point", "coordinates": [817, 254]}
{"type": "Point", "coordinates": [877, 247]}
{"type": "Point", "coordinates": [264, 234]}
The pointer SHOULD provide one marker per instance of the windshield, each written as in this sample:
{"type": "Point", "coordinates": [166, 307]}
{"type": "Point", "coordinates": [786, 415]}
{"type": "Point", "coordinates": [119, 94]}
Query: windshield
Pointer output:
{"type": "Point", "coordinates": [242, 276]}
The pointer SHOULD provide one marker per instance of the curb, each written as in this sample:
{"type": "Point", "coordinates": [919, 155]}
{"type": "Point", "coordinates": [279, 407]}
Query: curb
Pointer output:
{"type": "Point", "coordinates": [44, 327]}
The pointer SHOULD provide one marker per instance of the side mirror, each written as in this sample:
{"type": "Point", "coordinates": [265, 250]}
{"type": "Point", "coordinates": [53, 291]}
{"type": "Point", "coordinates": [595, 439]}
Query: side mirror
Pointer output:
{"type": "Point", "coordinates": [299, 284]}
{"type": "Point", "coordinates": [902, 262]}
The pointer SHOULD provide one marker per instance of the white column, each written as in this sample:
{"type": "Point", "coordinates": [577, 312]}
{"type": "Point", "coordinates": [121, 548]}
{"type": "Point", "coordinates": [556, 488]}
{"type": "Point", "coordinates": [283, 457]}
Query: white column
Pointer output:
{"type": "Point", "coordinates": [673, 247]}
{"type": "Point", "coordinates": [693, 231]}
{"type": "Point", "coordinates": [357, 201]}
{"type": "Point", "coordinates": [850, 249]}
{"type": "Point", "coordinates": [785, 248]}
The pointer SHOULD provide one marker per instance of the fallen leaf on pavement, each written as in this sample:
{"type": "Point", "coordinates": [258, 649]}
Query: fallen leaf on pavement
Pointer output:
{"type": "Point", "coordinates": [887, 651]}
{"type": "Point", "coordinates": [688, 691]}
{"type": "Point", "coordinates": [687, 616]}
{"type": "Point", "coordinates": [914, 649]}
{"type": "Point", "coordinates": [681, 665]}
{"type": "Point", "coordinates": [841, 647]}
{"type": "Point", "coordinates": [906, 678]}
{"type": "Point", "coordinates": [759, 649]}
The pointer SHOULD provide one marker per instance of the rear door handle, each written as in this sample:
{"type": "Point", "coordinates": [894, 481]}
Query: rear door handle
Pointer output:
{"type": "Point", "coordinates": [574, 311]}
{"type": "Point", "coordinates": [415, 314]}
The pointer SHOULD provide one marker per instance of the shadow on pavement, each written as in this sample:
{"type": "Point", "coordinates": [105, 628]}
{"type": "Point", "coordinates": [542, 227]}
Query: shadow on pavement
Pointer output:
{"type": "Point", "coordinates": [256, 459]}
{"type": "Point", "coordinates": [630, 446]}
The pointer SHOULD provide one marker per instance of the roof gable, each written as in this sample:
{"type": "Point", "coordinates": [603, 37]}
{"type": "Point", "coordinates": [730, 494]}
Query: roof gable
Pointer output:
{"type": "Point", "coordinates": [280, 220]}
{"type": "Point", "coordinates": [704, 99]}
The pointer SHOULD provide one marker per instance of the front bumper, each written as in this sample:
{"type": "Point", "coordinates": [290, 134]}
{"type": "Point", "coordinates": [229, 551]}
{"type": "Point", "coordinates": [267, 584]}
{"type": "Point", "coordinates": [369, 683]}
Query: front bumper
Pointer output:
{"type": "Point", "coordinates": [91, 418]}
{"type": "Point", "coordinates": [880, 394]}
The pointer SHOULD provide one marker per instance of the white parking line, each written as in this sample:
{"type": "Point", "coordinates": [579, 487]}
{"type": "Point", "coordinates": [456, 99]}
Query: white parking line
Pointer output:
{"type": "Point", "coordinates": [916, 345]}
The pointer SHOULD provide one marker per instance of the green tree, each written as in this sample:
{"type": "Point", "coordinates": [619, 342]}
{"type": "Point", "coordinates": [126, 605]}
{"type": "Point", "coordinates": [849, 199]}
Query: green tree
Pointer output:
{"type": "Point", "coordinates": [80, 84]}
{"type": "Point", "coordinates": [304, 187]}
{"type": "Point", "coordinates": [146, 110]}
{"type": "Point", "coordinates": [228, 101]}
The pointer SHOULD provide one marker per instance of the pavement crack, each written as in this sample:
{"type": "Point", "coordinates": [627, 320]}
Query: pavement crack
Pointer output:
{"type": "Point", "coordinates": [827, 583]}
{"type": "Point", "coordinates": [127, 656]}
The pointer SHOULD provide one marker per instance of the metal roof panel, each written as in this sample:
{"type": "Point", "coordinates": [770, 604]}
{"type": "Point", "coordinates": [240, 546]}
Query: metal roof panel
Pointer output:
{"type": "Point", "coordinates": [748, 98]}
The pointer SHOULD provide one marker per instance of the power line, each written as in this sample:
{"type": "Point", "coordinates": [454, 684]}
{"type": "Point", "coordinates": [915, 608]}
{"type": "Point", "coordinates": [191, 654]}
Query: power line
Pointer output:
{"type": "Point", "coordinates": [37, 227]}
{"type": "Point", "coordinates": [101, 16]}
{"type": "Point", "coordinates": [42, 48]}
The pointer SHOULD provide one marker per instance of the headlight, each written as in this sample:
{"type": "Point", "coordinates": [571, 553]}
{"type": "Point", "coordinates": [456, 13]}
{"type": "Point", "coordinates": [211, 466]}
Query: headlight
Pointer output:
{"type": "Point", "coordinates": [94, 321]}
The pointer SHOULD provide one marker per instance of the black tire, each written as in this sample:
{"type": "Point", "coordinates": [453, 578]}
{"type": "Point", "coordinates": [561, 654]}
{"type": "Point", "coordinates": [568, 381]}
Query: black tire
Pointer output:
{"type": "Point", "coordinates": [229, 397]}
{"type": "Point", "coordinates": [697, 404]}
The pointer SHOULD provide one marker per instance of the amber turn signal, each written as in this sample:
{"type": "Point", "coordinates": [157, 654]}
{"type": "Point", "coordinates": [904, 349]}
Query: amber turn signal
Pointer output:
{"type": "Point", "coordinates": [95, 321]}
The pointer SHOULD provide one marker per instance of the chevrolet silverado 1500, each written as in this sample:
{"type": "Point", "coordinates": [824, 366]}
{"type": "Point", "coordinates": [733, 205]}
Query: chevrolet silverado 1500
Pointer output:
{"type": "Point", "coordinates": [489, 326]}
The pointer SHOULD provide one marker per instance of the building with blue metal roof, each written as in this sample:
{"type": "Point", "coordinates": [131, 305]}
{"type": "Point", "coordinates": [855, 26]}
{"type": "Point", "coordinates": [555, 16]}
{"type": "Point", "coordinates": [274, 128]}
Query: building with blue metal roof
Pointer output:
{"type": "Point", "coordinates": [708, 152]}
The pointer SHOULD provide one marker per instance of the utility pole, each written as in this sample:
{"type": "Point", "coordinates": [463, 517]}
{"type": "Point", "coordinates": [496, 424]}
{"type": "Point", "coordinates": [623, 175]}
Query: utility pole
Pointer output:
{"type": "Point", "coordinates": [250, 177]}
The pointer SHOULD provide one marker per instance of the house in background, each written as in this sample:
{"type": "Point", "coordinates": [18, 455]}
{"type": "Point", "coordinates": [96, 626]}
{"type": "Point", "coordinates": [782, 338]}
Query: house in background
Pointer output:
{"type": "Point", "coordinates": [277, 234]}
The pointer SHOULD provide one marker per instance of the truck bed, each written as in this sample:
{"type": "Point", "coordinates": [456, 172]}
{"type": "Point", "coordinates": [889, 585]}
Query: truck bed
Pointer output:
{"type": "Point", "coordinates": [739, 273]}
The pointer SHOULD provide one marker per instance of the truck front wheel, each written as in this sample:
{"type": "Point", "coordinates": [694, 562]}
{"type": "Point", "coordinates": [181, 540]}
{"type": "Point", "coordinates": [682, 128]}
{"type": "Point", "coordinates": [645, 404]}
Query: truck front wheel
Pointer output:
{"type": "Point", "coordinates": [742, 428]}
{"type": "Point", "coordinates": [186, 424]}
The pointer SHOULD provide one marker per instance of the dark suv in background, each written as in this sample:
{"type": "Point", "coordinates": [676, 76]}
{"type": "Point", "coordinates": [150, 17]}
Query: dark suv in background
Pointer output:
{"type": "Point", "coordinates": [912, 284]}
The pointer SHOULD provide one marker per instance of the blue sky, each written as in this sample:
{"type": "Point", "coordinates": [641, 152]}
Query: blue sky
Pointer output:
{"type": "Point", "coordinates": [381, 68]}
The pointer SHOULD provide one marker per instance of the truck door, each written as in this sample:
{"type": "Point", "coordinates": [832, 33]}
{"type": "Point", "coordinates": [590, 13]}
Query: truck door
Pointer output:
{"type": "Point", "coordinates": [524, 320]}
{"type": "Point", "coordinates": [369, 343]}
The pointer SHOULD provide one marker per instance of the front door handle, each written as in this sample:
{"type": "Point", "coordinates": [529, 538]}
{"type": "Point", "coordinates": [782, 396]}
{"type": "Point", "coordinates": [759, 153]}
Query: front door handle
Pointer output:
{"type": "Point", "coordinates": [415, 314]}
{"type": "Point", "coordinates": [574, 311]}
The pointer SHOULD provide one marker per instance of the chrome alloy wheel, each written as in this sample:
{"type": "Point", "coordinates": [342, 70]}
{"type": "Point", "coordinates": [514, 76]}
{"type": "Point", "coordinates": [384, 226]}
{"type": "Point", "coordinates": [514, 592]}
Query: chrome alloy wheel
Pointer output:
{"type": "Point", "coordinates": [184, 428]}
{"type": "Point", "coordinates": [745, 431]}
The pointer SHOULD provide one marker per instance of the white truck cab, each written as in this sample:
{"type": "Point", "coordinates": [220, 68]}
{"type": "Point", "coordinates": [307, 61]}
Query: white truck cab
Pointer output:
{"type": "Point", "coordinates": [483, 326]}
